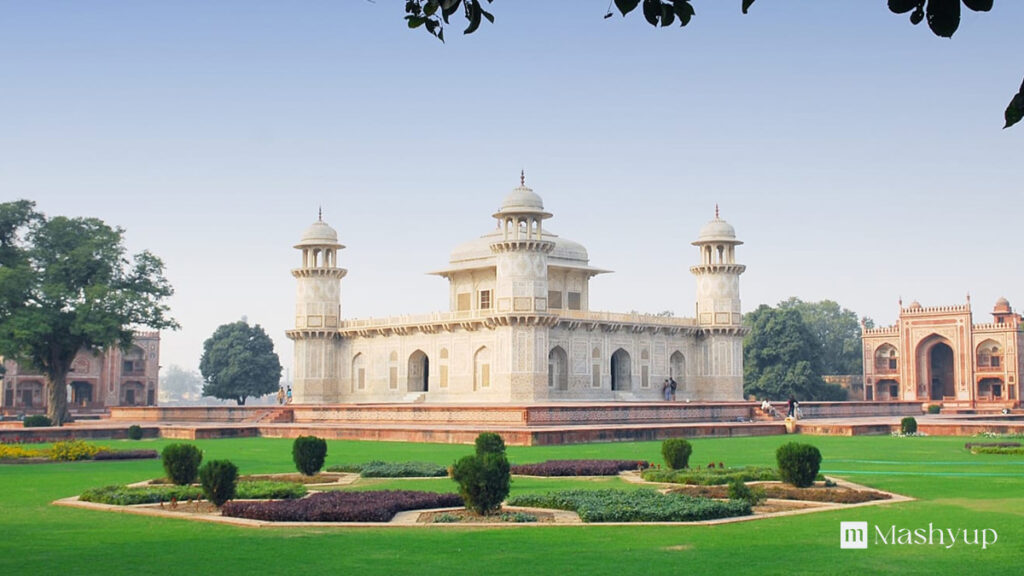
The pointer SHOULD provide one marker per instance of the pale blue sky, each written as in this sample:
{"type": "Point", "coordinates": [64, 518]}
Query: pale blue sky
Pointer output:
{"type": "Point", "coordinates": [860, 158]}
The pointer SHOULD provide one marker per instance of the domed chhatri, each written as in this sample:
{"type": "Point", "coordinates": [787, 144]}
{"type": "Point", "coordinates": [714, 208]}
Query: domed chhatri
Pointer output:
{"type": "Point", "coordinates": [1003, 306]}
{"type": "Point", "coordinates": [518, 326]}
{"type": "Point", "coordinates": [717, 230]}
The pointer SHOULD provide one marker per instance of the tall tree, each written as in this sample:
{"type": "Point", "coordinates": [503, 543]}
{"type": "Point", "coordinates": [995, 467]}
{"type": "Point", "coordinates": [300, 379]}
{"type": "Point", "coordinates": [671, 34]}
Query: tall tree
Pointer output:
{"type": "Point", "coordinates": [239, 361]}
{"type": "Point", "coordinates": [943, 18]}
{"type": "Point", "coordinates": [782, 357]}
{"type": "Point", "coordinates": [67, 285]}
{"type": "Point", "coordinates": [837, 331]}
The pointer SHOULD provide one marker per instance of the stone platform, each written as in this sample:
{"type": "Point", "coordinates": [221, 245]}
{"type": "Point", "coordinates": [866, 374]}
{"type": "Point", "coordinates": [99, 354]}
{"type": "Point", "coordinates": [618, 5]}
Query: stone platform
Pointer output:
{"type": "Point", "coordinates": [521, 424]}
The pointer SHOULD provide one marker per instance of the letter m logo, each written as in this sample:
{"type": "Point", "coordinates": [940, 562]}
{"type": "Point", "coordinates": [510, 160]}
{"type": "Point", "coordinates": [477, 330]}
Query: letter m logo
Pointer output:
{"type": "Point", "coordinates": [853, 535]}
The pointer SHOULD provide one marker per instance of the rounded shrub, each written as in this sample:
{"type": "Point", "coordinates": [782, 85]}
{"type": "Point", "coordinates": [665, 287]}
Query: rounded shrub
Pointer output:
{"type": "Point", "coordinates": [676, 452]}
{"type": "Point", "coordinates": [489, 443]}
{"type": "Point", "coordinates": [181, 463]}
{"type": "Point", "coordinates": [908, 425]}
{"type": "Point", "coordinates": [309, 453]}
{"type": "Point", "coordinates": [135, 432]}
{"type": "Point", "coordinates": [798, 463]}
{"type": "Point", "coordinates": [36, 421]}
{"type": "Point", "coordinates": [218, 478]}
{"type": "Point", "coordinates": [484, 478]}
{"type": "Point", "coordinates": [934, 408]}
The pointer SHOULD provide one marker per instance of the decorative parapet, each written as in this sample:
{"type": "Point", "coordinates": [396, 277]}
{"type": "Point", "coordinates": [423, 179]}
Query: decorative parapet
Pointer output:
{"type": "Point", "coordinates": [917, 311]}
{"type": "Point", "coordinates": [477, 320]}
{"type": "Point", "coordinates": [994, 327]}
{"type": "Point", "coordinates": [884, 331]}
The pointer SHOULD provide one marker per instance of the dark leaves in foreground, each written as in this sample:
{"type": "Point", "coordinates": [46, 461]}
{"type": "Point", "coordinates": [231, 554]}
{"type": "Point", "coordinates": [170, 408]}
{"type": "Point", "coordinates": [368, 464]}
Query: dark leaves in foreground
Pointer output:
{"type": "Point", "coordinates": [373, 506]}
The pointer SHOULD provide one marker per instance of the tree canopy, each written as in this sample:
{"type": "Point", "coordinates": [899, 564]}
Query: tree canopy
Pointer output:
{"type": "Point", "coordinates": [943, 18]}
{"type": "Point", "coordinates": [66, 285]}
{"type": "Point", "coordinates": [791, 346]}
{"type": "Point", "coordinates": [239, 361]}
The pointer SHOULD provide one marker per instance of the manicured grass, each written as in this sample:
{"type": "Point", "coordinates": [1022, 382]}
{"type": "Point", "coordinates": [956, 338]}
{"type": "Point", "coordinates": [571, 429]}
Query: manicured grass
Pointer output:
{"type": "Point", "coordinates": [955, 489]}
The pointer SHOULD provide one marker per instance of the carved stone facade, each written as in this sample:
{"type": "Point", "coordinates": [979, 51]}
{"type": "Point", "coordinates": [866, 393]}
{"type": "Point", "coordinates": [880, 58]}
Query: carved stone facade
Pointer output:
{"type": "Point", "coordinates": [114, 377]}
{"type": "Point", "coordinates": [938, 355]}
{"type": "Point", "coordinates": [519, 326]}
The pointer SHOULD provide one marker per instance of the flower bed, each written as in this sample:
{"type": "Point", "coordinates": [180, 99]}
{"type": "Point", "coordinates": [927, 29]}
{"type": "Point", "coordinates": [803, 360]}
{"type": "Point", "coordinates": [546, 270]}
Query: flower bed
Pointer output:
{"type": "Point", "coordinates": [120, 495]}
{"type": "Point", "coordinates": [633, 506]}
{"type": "Point", "coordinates": [711, 476]}
{"type": "Point", "coordinates": [125, 454]}
{"type": "Point", "coordinates": [836, 495]}
{"type": "Point", "coordinates": [1005, 450]}
{"type": "Point", "coordinates": [377, 469]}
{"type": "Point", "coordinates": [374, 506]}
{"type": "Point", "coordinates": [578, 467]}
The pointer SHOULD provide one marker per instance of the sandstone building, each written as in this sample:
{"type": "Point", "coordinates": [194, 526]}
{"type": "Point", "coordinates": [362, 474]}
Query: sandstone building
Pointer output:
{"type": "Point", "coordinates": [938, 355]}
{"type": "Point", "coordinates": [519, 327]}
{"type": "Point", "coordinates": [113, 377]}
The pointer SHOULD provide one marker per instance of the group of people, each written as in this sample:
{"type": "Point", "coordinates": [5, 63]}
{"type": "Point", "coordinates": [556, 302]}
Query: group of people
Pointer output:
{"type": "Point", "coordinates": [284, 396]}
{"type": "Point", "coordinates": [793, 408]}
{"type": "Point", "coordinates": [668, 390]}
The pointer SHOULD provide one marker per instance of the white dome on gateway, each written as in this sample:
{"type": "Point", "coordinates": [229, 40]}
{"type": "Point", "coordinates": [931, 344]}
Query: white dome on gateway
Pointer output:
{"type": "Point", "coordinates": [518, 326]}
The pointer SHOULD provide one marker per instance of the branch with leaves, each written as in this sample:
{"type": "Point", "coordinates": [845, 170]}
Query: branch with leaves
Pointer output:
{"type": "Point", "coordinates": [943, 18]}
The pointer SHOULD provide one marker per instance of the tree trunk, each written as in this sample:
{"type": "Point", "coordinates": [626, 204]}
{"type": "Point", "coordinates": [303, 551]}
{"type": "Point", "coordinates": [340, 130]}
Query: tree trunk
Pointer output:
{"type": "Point", "coordinates": [57, 398]}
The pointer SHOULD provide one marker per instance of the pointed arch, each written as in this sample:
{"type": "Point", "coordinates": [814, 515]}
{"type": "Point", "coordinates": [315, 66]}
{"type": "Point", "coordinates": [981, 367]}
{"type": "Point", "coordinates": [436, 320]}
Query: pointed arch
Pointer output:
{"type": "Point", "coordinates": [621, 370]}
{"type": "Point", "coordinates": [359, 372]}
{"type": "Point", "coordinates": [418, 374]}
{"type": "Point", "coordinates": [558, 369]}
{"type": "Point", "coordinates": [482, 368]}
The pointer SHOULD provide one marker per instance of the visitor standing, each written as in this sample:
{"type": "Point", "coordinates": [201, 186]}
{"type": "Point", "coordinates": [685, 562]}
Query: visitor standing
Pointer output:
{"type": "Point", "coordinates": [792, 407]}
{"type": "Point", "coordinates": [289, 395]}
{"type": "Point", "coordinates": [672, 386]}
{"type": "Point", "coordinates": [666, 390]}
{"type": "Point", "coordinates": [280, 394]}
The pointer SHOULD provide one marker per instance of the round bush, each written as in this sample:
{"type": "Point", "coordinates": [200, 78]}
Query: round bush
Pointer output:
{"type": "Point", "coordinates": [36, 421]}
{"type": "Point", "coordinates": [309, 453]}
{"type": "Point", "coordinates": [489, 443]}
{"type": "Point", "coordinates": [798, 463]}
{"type": "Point", "coordinates": [934, 409]}
{"type": "Point", "coordinates": [219, 478]}
{"type": "Point", "coordinates": [135, 432]}
{"type": "Point", "coordinates": [181, 462]}
{"type": "Point", "coordinates": [908, 425]}
{"type": "Point", "coordinates": [676, 452]}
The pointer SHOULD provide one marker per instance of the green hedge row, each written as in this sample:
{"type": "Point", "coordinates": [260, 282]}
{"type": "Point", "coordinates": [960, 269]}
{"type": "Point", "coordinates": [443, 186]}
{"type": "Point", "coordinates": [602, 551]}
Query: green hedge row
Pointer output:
{"type": "Point", "coordinates": [120, 495]}
{"type": "Point", "coordinates": [711, 476]}
{"type": "Point", "coordinates": [377, 469]}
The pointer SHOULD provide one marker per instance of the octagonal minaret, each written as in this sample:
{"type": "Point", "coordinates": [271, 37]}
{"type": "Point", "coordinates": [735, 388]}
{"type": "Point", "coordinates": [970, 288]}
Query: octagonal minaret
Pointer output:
{"type": "Point", "coordinates": [718, 311]}
{"type": "Point", "coordinates": [317, 314]}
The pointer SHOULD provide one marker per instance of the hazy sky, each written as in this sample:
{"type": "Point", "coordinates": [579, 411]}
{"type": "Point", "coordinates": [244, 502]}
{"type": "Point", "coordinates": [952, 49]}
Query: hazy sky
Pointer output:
{"type": "Point", "coordinates": [860, 158]}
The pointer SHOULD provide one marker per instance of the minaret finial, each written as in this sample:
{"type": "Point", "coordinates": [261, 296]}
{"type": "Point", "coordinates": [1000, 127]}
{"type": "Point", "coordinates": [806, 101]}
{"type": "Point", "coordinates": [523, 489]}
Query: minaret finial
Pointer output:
{"type": "Point", "coordinates": [716, 211]}
{"type": "Point", "coordinates": [320, 214]}
{"type": "Point", "coordinates": [522, 178]}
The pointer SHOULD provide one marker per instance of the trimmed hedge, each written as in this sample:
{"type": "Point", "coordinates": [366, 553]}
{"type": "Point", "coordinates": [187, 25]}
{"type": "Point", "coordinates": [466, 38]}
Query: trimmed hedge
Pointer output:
{"type": "Point", "coordinates": [908, 425]}
{"type": "Point", "coordinates": [373, 506]}
{"type": "Point", "coordinates": [120, 495]}
{"type": "Point", "coordinates": [309, 453]}
{"type": "Point", "coordinates": [578, 467]}
{"type": "Point", "coordinates": [36, 421]}
{"type": "Point", "coordinates": [643, 505]}
{"type": "Point", "coordinates": [676, 452]}
{"type": "Point", "coordinates": [711, 477]}
{"type": "Point", "coordinates": [798, 463]}
{"type": "Point", "coordinates": [125, 454]}
{"type": "Point", "coordinates": [135, 432]}
{"type": "Point", "coordinates": [181, 463]}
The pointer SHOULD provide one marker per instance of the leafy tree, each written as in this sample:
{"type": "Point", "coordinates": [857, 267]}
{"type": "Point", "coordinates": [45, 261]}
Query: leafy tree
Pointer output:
{"type": "Point", "coordinates": [781, 356]}
{"type": "Point", "coordinates": [239, 361]}
{"type": "Point", "coordinates": [943, 19]}
{"type": "Point", "coordinates": [180, 385]}
{"type": "Point", "coordinates": [837, 331]}
{"type": "Point", "coordinates": [66, 285]}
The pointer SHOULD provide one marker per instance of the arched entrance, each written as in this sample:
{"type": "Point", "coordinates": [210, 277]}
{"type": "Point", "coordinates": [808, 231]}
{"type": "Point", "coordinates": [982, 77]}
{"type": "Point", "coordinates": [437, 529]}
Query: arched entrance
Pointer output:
{"type": "Point", "coordinates": [81, 393]}
{"type": "Point", "coordinates": [677, 370]}
{"type": "Point", "coordinates": [621, 370]}
{"type": "Point", "coordinates": [419, 372]}
{"type": "Point", "coordinates": [482, 368]}
{"type": "Point", "coordinates": [131, 394]}
{"type": "Point", "coordinates": [887, 390]}
{"type": "Point", "coordinates": [941, 377]}
{"type": "Point", "coordinates": [990, 389]}
{"type": "Point", "coordinates": [558, 369]}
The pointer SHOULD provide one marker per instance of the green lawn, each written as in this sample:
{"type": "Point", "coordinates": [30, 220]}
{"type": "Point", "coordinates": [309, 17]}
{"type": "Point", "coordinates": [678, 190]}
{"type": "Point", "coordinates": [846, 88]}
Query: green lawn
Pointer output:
{"type": "Point", "coordinates": [955, 490]}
